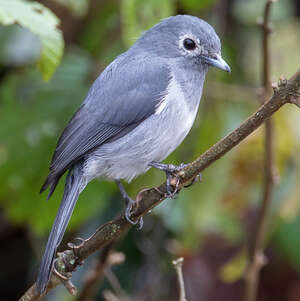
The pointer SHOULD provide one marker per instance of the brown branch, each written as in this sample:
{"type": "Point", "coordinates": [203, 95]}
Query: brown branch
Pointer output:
{"type": "Point", "coordinates": [256, 255]}
{"type": "Point", "coordinates": [285, 92]}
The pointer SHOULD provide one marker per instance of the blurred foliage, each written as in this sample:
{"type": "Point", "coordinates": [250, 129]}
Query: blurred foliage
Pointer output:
{"type": "Point", "coordinates": [33, 113]}
{"type": "Point", "coordinates": [249, 11]}
{"type": "Point", "coordinates": [195, 5]}
{"type": "Point", "coordinates": [36, 130]}
{"type": "Point", "coordinates": [136, 20]}
{"type": "Point", "coordinates": [42, 22]}
{"type": "Point", "coordinates": [235, 268]}
{"type": "Point", "coordinates": [78, 7]}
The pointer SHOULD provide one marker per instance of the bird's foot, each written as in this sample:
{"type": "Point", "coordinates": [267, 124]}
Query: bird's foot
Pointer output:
{"type": "Point", "coordinates": [60, 275]}
{"type": "Point", "coordinates": [129, 202]}
{"type": "Point", "coordinates": [75, 247]}
{"type": "Point", "coordinates": [65, 280]}
{"type": "Point", "coordinates": [170, 170]}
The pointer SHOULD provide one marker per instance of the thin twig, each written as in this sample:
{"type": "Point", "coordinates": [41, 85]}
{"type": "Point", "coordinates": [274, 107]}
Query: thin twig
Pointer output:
{"type": "Point", "coordinates": [94, 276]}
{"type": "Point", "coordinates": [115, 284]}
{"type": "Point", "coordinates": [256, 256]}
{"type": "Point", "coordinates": [178, 267]}
{"type": "Point", "coordinates": [109, 296]}
{"type": "Point", "coordinates": [285, 92]}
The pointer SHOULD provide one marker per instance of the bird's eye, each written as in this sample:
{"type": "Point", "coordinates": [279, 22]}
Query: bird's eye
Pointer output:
{"type": "Point", "coordinates": [189, 44]}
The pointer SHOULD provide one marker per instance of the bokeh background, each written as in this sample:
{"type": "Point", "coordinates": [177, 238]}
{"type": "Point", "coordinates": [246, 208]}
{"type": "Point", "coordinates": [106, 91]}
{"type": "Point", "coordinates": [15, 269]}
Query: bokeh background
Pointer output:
{"type": "Point", "coordinates": [212, 222]}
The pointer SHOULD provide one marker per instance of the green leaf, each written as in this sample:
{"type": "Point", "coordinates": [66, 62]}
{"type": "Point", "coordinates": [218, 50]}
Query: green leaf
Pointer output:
{"type": "Point", "coordinates": [43, 23]}
{"type": "Point", "coordinates": [234, 269]}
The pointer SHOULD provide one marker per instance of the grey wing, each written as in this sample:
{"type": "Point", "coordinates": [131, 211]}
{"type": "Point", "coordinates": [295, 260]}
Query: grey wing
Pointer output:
{"type": "Point", "coordinates": [126, 93]}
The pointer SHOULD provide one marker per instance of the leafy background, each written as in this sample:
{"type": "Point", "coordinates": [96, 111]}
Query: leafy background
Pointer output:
{"type": "Point", "coordinates": [211, 223]}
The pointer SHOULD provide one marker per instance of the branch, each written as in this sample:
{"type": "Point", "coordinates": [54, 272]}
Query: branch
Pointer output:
{"type": "Point", "coordinates": [109, 296]}
{"type": "Point", "coordinates": [115, 284]}
{"type": "Point", "coordinates": [99, 270]}
{"type": "Point", "coordinates": [256, 256]}
{"type": "Point", "coordinates": [95, 275]}
{"type": "Point", "coordinates": [178, 267]}
{"type": "Point", "coordinates": [285, 92]}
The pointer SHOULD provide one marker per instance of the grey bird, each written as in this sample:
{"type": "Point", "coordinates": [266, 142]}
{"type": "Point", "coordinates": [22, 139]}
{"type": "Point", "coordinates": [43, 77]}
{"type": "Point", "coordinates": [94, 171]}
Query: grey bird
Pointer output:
{"type": "Point", "coordinates": [136, 113]}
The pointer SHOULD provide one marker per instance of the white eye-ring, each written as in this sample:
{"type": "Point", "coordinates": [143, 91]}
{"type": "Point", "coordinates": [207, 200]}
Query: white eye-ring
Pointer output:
{"type": "Point", "coordinates": [190, 45]}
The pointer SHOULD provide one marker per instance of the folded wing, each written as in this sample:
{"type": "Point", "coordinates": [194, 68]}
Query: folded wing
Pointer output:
{"type": "Point", "coordinates": [126, 93]}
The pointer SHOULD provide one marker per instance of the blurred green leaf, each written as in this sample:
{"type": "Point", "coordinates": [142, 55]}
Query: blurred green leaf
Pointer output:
{"type": "Point", "coordinates": [42, 22]}
{"type": "Point", "coordinates": [138, 16]}
{"type": "Point", "coordinates": [193, 5]}
{"type": "Point", "coordinates": [249, 11]}
{"type": "Point", "coordinates": [99, 33]}
{"type": "Point", "coordinates": [287, 239]}
{"type": "Point", "coordinates": [34, 113]}
{"type": "Point", "coordinates": [234, 269]}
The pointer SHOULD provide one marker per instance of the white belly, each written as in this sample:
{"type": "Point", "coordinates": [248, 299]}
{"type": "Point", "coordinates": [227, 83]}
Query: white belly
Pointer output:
{"type": "Point", "coordinates": [153, 140]}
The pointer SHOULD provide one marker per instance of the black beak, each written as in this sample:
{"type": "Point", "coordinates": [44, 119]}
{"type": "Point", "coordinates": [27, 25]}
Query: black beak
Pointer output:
{"type": "Point", "coordinates": [217, 62]}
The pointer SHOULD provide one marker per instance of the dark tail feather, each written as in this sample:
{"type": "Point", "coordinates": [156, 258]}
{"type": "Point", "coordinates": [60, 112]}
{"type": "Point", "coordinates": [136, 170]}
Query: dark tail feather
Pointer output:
{"type": "Point", "coordinates": [73, 186]}
{"type": "Point", "coordinates": [51, 181]}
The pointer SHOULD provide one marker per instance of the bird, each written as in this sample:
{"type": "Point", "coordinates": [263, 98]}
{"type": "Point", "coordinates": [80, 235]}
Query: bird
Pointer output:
{"type": "Point", "coordinates": [135, 114]}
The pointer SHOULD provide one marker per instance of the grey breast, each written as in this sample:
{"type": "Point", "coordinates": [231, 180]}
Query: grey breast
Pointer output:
{"type": "Point", "coordinates": [156, 137]}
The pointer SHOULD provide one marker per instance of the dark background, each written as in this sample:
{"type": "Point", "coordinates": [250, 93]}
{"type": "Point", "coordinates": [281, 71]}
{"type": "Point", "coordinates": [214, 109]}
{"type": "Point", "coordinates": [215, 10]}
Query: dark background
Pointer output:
{"type": "Point", "coordinates": [211, 223]}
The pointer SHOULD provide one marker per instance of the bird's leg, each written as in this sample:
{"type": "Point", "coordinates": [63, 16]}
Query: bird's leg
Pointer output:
{"type": "Point", "coordinates": [128, 203]}
{"type": "Point", "coordinates": [170, 170]}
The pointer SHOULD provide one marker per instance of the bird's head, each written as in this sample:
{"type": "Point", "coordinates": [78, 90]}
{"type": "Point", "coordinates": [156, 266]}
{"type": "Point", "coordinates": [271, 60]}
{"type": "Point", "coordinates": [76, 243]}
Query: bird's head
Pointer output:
{"type": "Point", "coordinates": [187, 38]}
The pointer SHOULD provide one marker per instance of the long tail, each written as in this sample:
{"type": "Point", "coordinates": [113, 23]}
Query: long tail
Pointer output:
{"type": "Point", "coordinates": [74, 185]}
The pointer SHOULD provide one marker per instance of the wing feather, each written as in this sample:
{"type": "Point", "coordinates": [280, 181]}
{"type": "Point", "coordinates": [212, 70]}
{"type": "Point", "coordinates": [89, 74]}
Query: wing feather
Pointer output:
{"type": "Point", "coordinates": [126, 93]}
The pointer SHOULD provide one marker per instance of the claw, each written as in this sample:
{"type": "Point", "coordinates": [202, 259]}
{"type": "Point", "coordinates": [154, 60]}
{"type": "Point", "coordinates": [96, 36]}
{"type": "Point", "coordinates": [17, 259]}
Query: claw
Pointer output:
{"type": "Point", "coordinates": [75, 248]}
{"type": "Point", "coordinates": [170, 171]}
{"type": "Point", "coordinates": [129, 202]}
{"type": "Point", "coordinates": [139, 222]}
{"type": "Point", "coordinates": [171, 188]}
{"type": "Point", "coordinates": [61, 276]}
{"type": "Point", "coordinates": [66, 281]}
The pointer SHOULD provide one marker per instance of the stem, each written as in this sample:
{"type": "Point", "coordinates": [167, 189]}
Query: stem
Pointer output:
{"type": "Point", "coordinates": [178, 267]}
{"type": "Point", "coordinates": [256, 256]}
